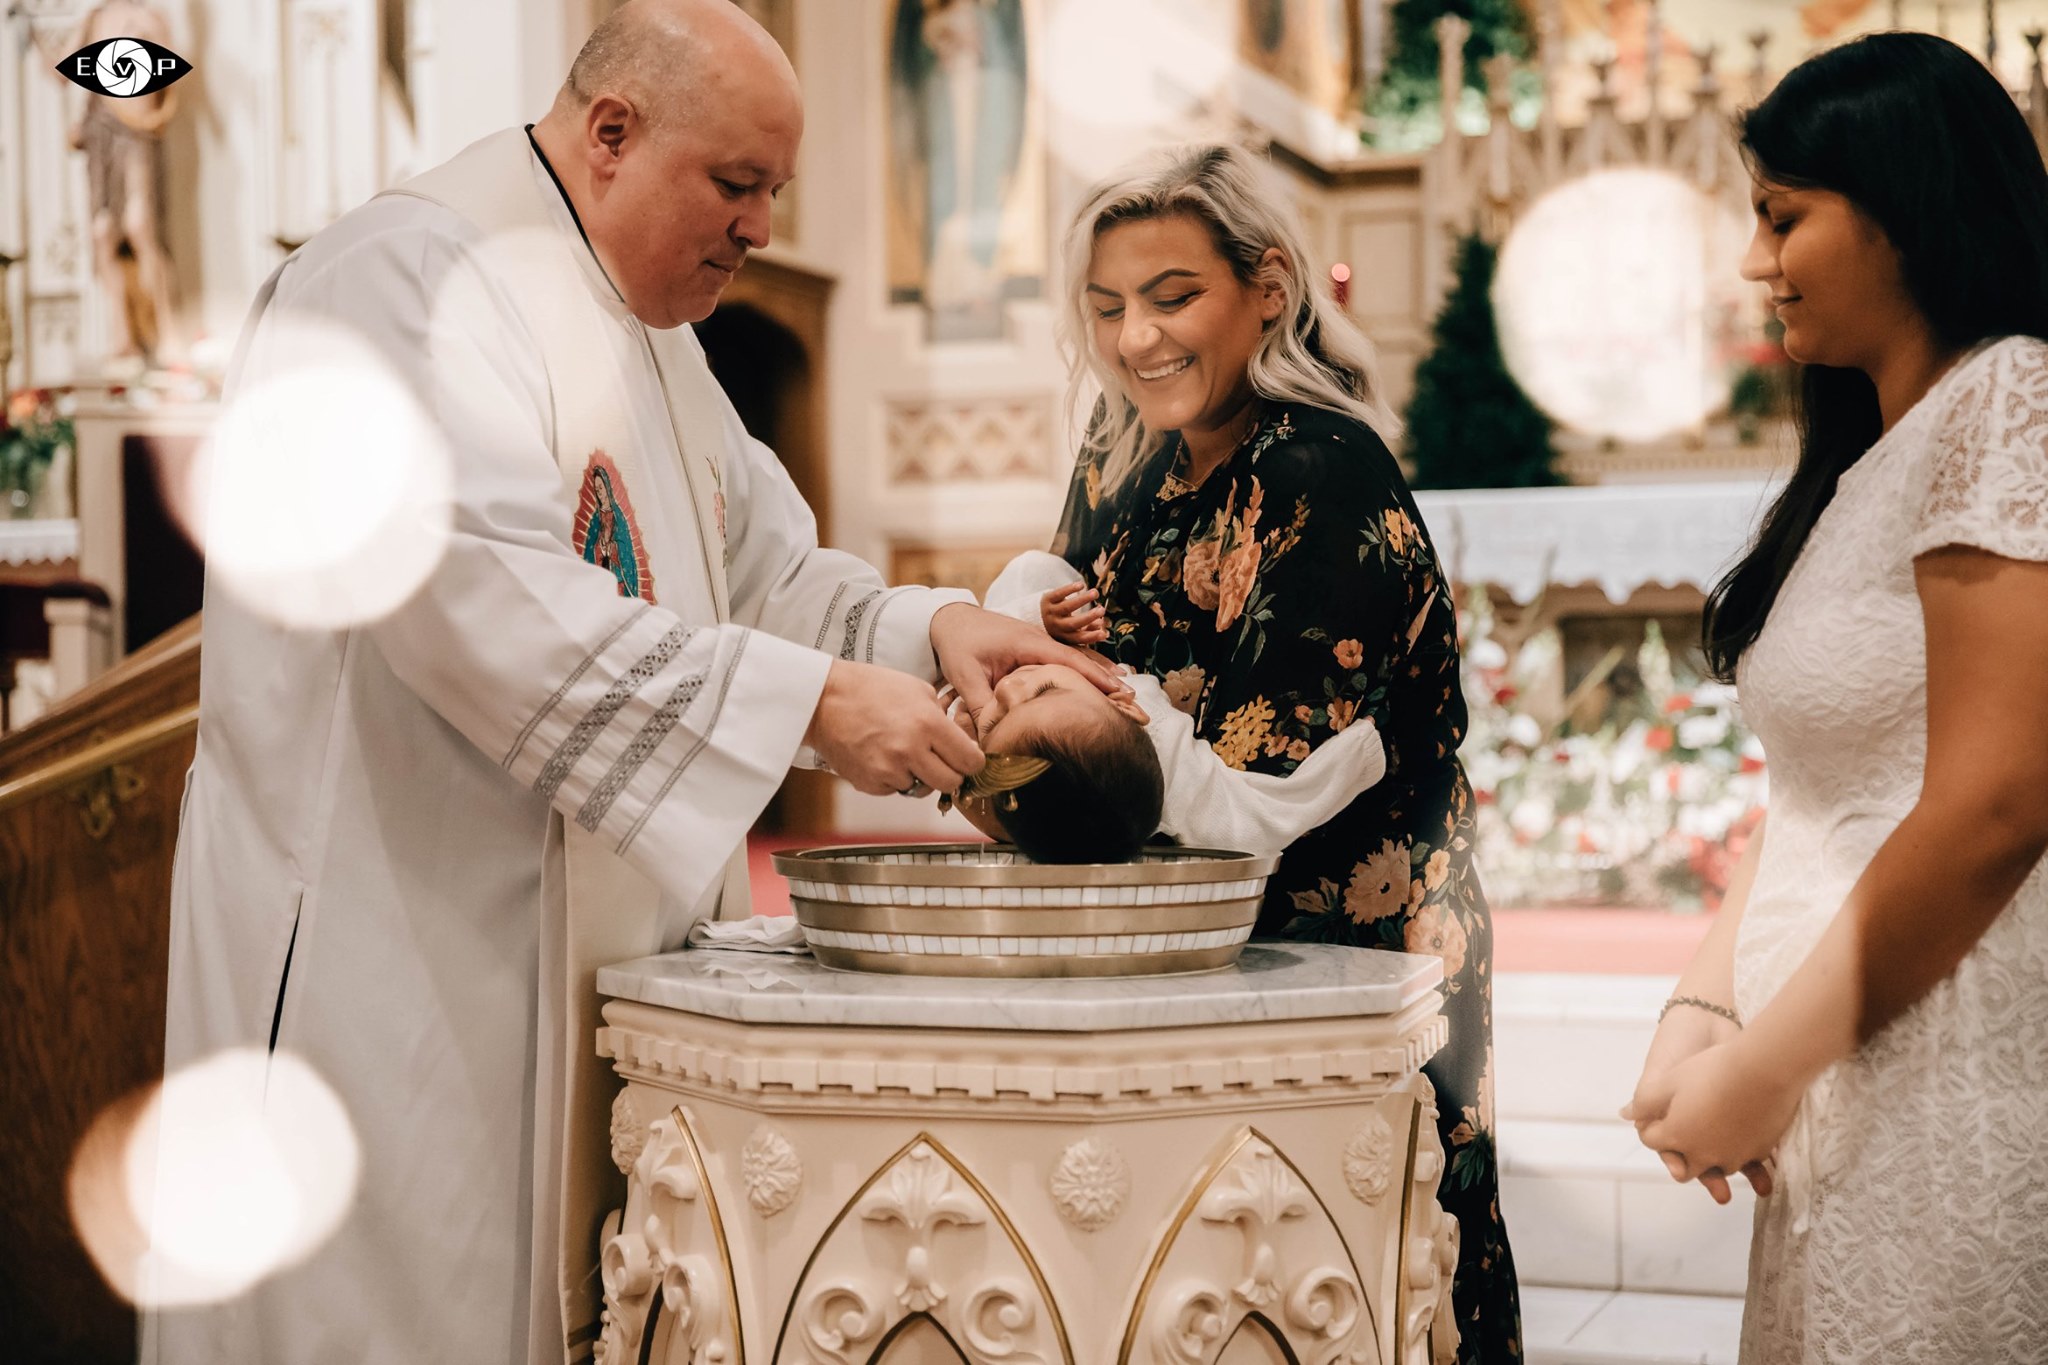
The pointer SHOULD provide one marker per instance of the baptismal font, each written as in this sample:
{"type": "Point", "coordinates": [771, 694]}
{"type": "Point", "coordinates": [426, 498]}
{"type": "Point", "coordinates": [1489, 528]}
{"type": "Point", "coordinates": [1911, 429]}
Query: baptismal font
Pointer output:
{"type": "Point", "coordinates": [1062, 1114]}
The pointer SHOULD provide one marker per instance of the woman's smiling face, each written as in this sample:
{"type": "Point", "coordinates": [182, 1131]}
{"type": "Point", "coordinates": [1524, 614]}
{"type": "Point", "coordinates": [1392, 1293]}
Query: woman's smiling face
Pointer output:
{"type": "Point", "coordinates": [1174, 324]}
{"type": "Point", "coordinates": [1836, 280]}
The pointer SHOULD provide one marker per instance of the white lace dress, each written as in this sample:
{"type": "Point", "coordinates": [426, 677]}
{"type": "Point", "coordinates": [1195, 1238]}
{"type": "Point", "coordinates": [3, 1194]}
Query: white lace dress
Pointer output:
{"type": "Point", "coordinates": [1913, 1221]}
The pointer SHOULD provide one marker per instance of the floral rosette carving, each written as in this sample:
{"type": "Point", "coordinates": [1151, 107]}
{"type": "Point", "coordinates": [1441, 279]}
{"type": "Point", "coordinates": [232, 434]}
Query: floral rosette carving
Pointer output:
{"type": "Point", "coordinates": [1369, 1161]}
{"type": "Point", "coordinates": [1091, 1184]}
{"type": "Point", "coordinates": [771, 1171]}
{"type": "Point", "coordinates": [628, 1136]}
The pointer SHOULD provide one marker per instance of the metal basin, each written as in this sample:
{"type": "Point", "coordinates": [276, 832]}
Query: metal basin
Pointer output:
{"type": "Point", "coordinates": [986, 910]}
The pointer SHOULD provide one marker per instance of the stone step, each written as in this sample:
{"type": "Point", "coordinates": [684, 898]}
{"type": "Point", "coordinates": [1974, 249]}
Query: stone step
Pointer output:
{"type": "Point", "coordinates": [1589, 1327]}
{"type": "Point", "coordinates": [1589, 1207]}
{"type": "Point", "coordinates": [1569, 1046]}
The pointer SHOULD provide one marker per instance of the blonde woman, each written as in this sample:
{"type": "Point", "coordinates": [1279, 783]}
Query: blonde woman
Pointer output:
{"type": "Point", "coordinates": [1247, 539]}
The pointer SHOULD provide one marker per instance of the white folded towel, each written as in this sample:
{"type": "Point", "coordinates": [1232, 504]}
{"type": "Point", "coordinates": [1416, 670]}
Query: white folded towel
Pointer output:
{"type": "Point", "coordinates": [761, 934]}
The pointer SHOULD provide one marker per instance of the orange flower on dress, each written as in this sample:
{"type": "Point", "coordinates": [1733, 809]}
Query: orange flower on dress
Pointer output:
{"type": "Point", "coordinates": [1437, 930]}
{"type": "Point", "coordinates": [1350, 654]}
{"type": "Point", "coordinates": [1105, 577]}
{"type": "Point", "coordinates": [1298, 750]}
{"type": "Point", "coordinates": [1379, 885]}
{"type": "Point", "coordinates": [1198, 572]}
{"type": "Point", "coordinates": [1341, 713]}
{"type": "Point", "coordinates": [1245, 731]}
{"type": "Point", "coordinates": [1240, 570]}
{"type": "Point", "coordinates": [1183, 687]}
{"type": "Point", "coordinates": [1400, 531]}
{"type": "Point", "coordinates": [1240, 573]}
{"type": "Point", "coordinates": [1438, 869]}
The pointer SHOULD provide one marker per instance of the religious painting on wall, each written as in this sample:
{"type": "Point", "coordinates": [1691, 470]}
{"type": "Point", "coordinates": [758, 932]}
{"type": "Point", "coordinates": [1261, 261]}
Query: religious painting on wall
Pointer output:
{"type": "Point", "coordinates": [965, 165]}
{"type": "Point", "coordinates": [1307, 45]}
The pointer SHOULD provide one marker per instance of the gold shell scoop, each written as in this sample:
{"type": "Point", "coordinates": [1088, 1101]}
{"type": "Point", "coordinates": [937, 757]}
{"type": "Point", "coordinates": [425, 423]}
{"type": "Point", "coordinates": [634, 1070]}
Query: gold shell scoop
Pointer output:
{"type": "Point", "coordinates": [1000, 776]}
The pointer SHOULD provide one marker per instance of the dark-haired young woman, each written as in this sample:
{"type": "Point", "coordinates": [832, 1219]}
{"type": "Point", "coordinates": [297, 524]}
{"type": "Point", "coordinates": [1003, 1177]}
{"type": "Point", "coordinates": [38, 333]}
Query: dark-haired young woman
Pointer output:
{"type": "Point", "coordinates": [1886, 949]}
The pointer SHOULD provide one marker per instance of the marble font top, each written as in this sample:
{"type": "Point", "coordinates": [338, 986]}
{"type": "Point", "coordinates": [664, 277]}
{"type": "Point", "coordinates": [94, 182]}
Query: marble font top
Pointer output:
{"type": "Point", "coordinates": [1272, 981]}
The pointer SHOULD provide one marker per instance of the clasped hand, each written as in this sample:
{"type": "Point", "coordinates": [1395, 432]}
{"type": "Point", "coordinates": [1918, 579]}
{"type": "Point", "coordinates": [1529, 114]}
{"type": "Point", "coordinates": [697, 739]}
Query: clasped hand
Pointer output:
{"type": "Point", "coordinates": [1707, 1108]}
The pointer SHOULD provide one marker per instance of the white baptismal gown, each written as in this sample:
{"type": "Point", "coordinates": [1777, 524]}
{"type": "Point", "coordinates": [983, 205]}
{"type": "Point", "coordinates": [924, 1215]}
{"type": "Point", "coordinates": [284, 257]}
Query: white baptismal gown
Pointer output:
{"type": "Point", "coordinates": [1912, 1222]}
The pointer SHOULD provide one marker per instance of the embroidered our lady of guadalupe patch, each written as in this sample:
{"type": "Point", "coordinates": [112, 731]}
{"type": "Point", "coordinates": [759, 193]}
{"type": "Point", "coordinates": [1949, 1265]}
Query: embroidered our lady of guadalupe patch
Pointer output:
{"type": "Point", "coordinates": [606, 533]}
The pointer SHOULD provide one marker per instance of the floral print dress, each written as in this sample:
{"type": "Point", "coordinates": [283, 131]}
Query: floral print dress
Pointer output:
{"type": "Point", "coordinates": [1290, 594]}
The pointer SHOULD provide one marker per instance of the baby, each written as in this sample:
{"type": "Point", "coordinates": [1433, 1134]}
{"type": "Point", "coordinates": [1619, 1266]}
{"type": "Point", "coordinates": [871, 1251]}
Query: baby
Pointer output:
{"type": "Point", "coordinates": [1119, 769]}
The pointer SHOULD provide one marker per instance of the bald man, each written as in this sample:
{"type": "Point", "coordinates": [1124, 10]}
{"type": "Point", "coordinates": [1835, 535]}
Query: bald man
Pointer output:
{"type": "Point", "coordinates": [408, 845]}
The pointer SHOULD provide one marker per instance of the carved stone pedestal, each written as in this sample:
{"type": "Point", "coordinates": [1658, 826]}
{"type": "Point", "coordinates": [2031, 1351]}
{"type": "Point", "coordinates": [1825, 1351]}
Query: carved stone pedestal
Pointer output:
{"type": "Point", "coordinates": [832, 1169]}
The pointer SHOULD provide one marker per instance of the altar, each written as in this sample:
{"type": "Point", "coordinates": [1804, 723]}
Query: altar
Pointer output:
{"type": "Point", "coordinates": [1239, 1166]}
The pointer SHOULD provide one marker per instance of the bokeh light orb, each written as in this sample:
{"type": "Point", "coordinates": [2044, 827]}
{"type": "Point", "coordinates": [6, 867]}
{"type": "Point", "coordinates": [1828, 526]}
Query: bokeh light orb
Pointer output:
{"type": "Point", "coordinates": [236, 1167]}
{"type": "Point", "coordinates": [1617, 295]}
{"type": "Point", "coordinates": [322, 498]}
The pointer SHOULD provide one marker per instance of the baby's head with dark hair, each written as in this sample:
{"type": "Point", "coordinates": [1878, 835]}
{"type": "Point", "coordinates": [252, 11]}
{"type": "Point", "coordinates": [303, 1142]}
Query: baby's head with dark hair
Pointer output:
{"type": "Point", "coordinates": [1100, 799]}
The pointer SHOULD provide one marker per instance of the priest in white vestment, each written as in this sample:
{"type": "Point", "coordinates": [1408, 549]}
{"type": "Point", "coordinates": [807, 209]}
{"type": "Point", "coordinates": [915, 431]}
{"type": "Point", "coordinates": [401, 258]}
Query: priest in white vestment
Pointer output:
{"type": "Point", "coordinates": [407, 846]}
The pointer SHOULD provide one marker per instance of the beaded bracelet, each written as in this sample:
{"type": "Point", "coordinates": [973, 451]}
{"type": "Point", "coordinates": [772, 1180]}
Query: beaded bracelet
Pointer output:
{"type": "Point", "coordinates": [1709, 1006]}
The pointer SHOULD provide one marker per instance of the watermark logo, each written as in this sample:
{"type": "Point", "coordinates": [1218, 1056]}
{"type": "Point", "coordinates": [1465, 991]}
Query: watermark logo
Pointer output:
{"type": "Point", "coordinates": [123, 67]}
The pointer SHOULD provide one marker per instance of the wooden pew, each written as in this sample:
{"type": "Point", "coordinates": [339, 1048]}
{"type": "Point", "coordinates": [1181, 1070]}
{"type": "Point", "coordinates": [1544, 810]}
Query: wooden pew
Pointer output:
{"type": "Point", "coordinates": [89, 799]}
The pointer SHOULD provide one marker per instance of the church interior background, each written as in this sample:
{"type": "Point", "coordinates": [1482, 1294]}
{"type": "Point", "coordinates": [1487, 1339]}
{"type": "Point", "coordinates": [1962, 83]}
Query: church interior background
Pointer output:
{"type": "Point", "coordinates": [894, 346]}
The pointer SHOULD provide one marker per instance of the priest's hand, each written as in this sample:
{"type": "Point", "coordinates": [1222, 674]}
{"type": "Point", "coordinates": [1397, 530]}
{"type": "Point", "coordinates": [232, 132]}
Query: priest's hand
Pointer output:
{"type": "Point", "coordinates": [977, 649]}
{"type": "Point", "coordinates": [885, 732]}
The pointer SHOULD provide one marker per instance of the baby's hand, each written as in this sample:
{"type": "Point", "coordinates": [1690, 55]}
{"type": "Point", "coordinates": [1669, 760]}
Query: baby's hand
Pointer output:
{"type": "Point", "coordinates": [1073, 616]}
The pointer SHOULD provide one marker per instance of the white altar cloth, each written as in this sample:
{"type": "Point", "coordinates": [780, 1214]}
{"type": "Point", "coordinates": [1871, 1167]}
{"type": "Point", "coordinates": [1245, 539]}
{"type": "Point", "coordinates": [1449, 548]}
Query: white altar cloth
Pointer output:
{"type": "Point", "coordinates": [38, 542]}
{"type": "Point", "coordinates": [1619, 536]}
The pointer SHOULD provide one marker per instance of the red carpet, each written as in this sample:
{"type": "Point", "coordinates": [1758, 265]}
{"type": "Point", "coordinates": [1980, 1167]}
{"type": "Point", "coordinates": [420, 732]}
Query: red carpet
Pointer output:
{"type": "Point", "coordinates": [1645, 941]}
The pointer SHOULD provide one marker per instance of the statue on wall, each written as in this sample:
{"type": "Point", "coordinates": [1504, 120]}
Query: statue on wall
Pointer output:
{"type": "Point", "coordinates": [958, 96]}
{"type": "Point", "coordinates": [122, 139]}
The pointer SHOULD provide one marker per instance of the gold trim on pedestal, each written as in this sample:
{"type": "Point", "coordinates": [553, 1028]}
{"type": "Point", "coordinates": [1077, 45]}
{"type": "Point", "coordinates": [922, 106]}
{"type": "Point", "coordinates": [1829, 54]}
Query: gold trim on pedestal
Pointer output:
{"type": "Point", "coordinates": [1243, 1138]}
{"type": "Point", "coordinates": [1415, 1121]}
{"type": "Point", "coordinates": [1350, 1256]}
{"type": "Point", "coordinates": [1052, 1307]}
{"type": "Point", "coordinates": [710, 1196]}
{"type": "Point", "coordinates": [1231, 1148]}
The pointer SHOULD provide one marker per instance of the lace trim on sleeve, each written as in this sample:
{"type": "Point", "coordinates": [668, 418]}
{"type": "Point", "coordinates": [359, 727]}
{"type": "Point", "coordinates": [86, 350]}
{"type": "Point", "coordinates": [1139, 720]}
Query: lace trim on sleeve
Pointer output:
{"type": "Point", "coordinates": [1988, 482]}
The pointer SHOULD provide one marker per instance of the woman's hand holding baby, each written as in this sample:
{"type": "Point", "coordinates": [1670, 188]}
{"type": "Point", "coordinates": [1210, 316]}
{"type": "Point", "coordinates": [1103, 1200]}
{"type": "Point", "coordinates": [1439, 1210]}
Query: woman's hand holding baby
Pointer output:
{"type": "Point", "coordinates": [1073, 615]}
